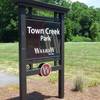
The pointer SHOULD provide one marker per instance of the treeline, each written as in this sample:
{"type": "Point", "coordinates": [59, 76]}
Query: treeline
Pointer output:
{"type": "Point", "coordinates": [8, 21]}
{"type": "Point", "coordinates": [82, 23]}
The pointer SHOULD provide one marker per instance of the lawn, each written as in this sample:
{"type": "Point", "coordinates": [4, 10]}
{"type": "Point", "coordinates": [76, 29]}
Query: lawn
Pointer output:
{"type": "Point", "coordinates": [9, 57]}
{"type": "Point", "coordinates": [81, 59]}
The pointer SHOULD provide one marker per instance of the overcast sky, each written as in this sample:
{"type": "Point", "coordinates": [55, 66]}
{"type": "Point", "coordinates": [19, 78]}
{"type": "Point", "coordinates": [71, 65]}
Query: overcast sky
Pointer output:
{"type": "Point", "coordinates": [95, 3]}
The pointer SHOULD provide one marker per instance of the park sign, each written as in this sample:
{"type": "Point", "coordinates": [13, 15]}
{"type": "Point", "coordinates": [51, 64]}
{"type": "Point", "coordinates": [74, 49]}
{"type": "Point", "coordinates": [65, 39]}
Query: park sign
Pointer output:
{"type": "Point", "coordinates": [41, 40]}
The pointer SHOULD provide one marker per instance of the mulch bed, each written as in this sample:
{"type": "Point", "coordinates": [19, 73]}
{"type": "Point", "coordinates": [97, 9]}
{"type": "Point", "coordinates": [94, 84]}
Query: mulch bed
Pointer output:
{"type": "Point", "coordinates": [45, 90]}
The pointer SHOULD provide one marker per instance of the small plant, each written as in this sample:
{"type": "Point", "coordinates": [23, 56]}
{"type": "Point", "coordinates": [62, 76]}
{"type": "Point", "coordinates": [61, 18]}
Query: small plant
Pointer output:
{"type": "Point", "coordinates": [93, 84]}
{"type": "Point", "coordinates": [78, 84]}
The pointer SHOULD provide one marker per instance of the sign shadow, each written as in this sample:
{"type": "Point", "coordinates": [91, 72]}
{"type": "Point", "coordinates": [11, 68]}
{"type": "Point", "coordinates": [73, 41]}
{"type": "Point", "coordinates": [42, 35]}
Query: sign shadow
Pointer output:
{"type": "Point", "coordinates": [36, 96]}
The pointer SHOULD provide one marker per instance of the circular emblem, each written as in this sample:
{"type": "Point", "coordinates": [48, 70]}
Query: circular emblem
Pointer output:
{"type": "Point", "coordinates": [45, 70]}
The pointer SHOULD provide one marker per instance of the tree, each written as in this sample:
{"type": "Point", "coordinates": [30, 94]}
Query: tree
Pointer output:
{"type": "Point", "coordinates": [68, 29]}
{"type": "Point", "coordinates": [97, 16]}
{"type": "Point", "coordinates": [8, 21]}
{"type": "Point", "coordinates": [85, 23]}
{"type": "Point", "coordinates": [94, 29]}
{"type": "Point", "coordinates": [81, 19]}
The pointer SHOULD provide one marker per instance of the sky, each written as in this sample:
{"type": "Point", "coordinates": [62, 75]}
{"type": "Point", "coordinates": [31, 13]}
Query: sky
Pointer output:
{"type": "Point", "coordinates": [95, 3]}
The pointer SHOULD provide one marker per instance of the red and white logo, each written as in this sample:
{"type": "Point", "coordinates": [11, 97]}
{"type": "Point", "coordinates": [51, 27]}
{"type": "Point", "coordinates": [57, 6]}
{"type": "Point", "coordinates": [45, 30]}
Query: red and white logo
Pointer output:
{"type": "Point", "coordinates": [45, 70]}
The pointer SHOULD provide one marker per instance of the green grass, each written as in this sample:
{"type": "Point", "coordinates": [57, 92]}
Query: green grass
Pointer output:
{"type": "Point", "coordinates": [80, 58]}
{"type": "Point", "coordinates": [9, 57]}
{"type": "Point", "coordinates": [84, 59]}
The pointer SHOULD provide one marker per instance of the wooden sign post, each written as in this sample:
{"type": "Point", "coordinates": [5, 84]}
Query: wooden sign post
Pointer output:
{"type": "Point", "coordinates": [41, 39]}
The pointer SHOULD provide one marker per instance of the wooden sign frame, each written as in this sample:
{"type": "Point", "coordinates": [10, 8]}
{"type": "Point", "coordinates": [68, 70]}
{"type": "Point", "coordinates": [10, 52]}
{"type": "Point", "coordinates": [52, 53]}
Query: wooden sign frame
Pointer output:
{"type": "Point", "coordinates": [58, 17]}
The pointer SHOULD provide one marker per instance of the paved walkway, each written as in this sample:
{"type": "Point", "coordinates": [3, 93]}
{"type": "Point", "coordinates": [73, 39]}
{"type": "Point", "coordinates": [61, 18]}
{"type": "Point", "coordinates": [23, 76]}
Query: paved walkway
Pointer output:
{"type": "Point", "coordinates": [6, 79]}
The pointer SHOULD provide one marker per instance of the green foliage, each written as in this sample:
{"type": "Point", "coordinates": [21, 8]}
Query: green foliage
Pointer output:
{"type": "Point", "coordinates": [8, 21]}
{"type": "Point", "coordinates": [94, 29]}
{"type": "Point", "coordinates": [80, 39]}
{"type": "Point", "coordinates": [69, 30]}
{"type": "Point", "coordinates": [81, 20]}
{"type": "Point", "coordinates": [85, 23]}
{"type": "Point", "coordinates": [98, 37]}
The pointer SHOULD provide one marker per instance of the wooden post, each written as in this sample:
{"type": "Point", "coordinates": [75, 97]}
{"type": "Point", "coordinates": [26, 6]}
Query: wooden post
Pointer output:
{"type": "Point", "coordinates": [61, 62]}
{"type": "Point", "coordinates": [22, 52]}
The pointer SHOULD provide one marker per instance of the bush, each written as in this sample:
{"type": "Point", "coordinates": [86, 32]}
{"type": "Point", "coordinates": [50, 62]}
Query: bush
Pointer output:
{"type": "Point", "coordinates": [78, 83]}
{"type": "Point", "coordinates": [9, 36]}
{"type": "Point", "coordinates": [80, 39]}
{"type": "Point", "coordinates": [98, 37]}
{"type": "Point", "coordinates": [8, 21]}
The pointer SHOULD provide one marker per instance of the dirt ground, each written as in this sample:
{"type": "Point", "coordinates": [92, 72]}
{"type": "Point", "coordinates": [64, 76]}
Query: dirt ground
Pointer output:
{"type": "Point", "coordinates": [45, 90]}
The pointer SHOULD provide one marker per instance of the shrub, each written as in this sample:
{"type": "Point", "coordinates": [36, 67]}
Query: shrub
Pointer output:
{"type": "Point", "coordinates": [98, 37]}
{"type": "Point", "coordinates": [9, 36]}
{"type": "Point", "coordinates": [80, 39]}
{"type": "Point", "coordinates": [78, 84]}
